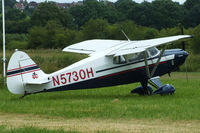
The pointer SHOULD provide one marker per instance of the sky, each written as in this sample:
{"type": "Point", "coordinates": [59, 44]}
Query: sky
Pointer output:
{"type": "Point", "coordinates": [70, 1]}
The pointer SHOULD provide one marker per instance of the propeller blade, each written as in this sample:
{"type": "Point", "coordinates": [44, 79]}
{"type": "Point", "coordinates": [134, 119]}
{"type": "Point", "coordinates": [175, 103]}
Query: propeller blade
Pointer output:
{"type": "Point", "coordinates": [186, 71]}
{"type": "Point", "coordinates": [183, 46]}
{"type": "Point", "coordinates": [182, 33]}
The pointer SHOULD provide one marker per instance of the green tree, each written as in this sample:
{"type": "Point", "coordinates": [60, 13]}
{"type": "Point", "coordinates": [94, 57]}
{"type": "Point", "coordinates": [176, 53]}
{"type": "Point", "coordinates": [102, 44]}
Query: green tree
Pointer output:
{"type": "Point", "coordinates": [78, 14]}
{"type": "Point", "coordinates": [37, 37]}
{"type": "Point", "coordinates": [14, 15]}
{"type": "Point", "coordinates": [172, 32]}
{"type": "Point", "coordinates": [192, 13]}
{"type": "Point", "coordinates": [158, 14]}
{"type": "Point", "coordinates": [168, 13]}
{"type": "Point", "coordinates": [111, 14]}
{"type": "Point", "coordinates": [133, 31]}
{"type": "Point", "coordinates": [189, 4]}
{"type": "Point", "coordinates": [18, 26]}
{"type": "Point", "coordinates": [94, 29]}
{"type": "Point", "coordinates": [10, 3]}
{"type": "Point", "coordinates": [19, 41]}
{"type": "Point", "coordinates": [196, 40]}
{"type": "Point", "coordinates": [16, 21]}
{"type": "Point", "coordinates": [48, 11]}
{"type": "Point", "coordinates": [46, 37]}
{"type": "Point", "coordinates": [65, 38]}
{"type": "Point", "coordinates": [113, 32]}
{"type": "Point", "coordinates": [125, 7]}
{"type": "Point", "coordinates": [92, 9]}
{"type": "Point", "coordinates": [142, 14]}
{"type": "Point", "coordinates": [151, 33]}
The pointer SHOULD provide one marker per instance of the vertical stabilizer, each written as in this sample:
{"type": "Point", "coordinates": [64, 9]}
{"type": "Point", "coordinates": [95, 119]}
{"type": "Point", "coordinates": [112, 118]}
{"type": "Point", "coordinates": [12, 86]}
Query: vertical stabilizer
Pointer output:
{"type": "Point", "coordinates": [21, 71]}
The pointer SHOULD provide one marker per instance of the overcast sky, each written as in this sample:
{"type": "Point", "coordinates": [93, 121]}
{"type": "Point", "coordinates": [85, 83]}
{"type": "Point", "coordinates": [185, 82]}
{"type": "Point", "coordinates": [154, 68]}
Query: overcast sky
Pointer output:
{"type": "Point", "coordinates": [69, 1]}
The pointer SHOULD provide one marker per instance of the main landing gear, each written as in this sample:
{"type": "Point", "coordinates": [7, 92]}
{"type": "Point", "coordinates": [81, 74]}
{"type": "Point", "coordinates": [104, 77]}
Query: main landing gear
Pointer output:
{"type": "Point", "coordinates": [146, 89]}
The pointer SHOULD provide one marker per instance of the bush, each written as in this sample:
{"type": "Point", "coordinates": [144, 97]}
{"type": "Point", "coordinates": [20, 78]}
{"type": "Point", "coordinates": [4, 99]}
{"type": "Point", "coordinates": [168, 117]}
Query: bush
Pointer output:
{"type": "Point", "coordinates": [17, 45]}
{"type": "Point", "coordinates": [196, 40]}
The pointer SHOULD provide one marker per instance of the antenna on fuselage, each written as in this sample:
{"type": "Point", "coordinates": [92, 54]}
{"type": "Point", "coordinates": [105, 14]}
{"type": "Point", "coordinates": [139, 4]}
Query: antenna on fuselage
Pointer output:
{"type": "Point", "coordinates": [125, 35]}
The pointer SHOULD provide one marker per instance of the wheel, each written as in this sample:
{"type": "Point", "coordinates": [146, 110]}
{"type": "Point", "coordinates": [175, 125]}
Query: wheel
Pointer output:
{"type": "Point", "coordinates": [165, 90]}
{"type": "Point", "coordinates": [149, 90]}
{"type": "Point", "coordinates": [143, 91]}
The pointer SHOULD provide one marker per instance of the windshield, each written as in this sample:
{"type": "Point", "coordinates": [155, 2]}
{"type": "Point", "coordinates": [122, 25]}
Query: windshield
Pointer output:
{"type": "Point", "coordinates": [153, 51]}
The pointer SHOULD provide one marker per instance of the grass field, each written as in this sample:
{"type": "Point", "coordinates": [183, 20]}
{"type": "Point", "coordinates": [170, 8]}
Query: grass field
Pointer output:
{"type": "Point", "coordinates": [111, 109]}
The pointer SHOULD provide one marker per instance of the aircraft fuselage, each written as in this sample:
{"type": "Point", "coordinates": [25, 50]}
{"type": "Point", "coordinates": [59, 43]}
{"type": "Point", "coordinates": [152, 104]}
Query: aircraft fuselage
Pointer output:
{"type": "Point", "coordinates": [101, 72]}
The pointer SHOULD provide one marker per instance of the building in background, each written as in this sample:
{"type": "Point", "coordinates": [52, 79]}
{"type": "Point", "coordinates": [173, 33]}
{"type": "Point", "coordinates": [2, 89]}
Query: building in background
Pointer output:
{"type": "Point", "coordinates": [22, 4]}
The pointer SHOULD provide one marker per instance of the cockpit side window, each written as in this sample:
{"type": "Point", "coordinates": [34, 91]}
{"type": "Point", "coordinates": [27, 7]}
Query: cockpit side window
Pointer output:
{"type": "Point", "coordinates": [135, 57]}
{"type": "Point", "coordinates": [119, 60]}
{"type": "Point", "coordinates": [129, 58]}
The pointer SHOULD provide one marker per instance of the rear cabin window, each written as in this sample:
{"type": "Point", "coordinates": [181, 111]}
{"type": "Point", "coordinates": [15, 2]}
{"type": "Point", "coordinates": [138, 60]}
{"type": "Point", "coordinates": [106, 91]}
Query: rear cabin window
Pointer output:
{"type": "Point", "coordinates": [135, 57]}
{"type": "Point", "coordinates": [119, 60]}
{"type": "Point", "coordinates": [128, 58]}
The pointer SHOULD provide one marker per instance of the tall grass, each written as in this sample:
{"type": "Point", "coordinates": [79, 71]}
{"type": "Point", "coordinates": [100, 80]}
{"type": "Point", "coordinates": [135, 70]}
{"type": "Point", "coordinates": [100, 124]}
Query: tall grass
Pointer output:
{"type": "Point", "coordinates": [192, 63]}
{"type": "Point", "coordinates": [52, 60]}
{"type": "Point", "coordinates": [49, 60]}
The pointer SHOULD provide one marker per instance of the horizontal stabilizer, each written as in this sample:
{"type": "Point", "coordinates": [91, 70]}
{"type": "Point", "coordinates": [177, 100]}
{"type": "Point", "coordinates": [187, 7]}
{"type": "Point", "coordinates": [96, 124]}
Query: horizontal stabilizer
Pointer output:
{"type": "Point", "coordinates": [38, 82]}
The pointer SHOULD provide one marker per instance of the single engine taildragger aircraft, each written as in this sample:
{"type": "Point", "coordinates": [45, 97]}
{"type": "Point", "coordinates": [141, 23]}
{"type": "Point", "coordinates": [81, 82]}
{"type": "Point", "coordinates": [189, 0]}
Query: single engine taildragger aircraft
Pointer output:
{"type": "Point", "coordinates": [110, 62]}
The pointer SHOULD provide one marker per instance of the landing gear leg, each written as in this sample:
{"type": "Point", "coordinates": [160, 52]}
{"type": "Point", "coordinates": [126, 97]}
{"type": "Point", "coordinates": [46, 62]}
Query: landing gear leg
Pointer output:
{"type": "Point", "coordinates": [147, 89]}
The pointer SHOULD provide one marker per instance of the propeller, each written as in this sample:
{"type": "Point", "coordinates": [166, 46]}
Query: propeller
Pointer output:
{"type": "Point", "coordinates": [183, 48]}
{"type": "Point", "coordinates": [183, 42]}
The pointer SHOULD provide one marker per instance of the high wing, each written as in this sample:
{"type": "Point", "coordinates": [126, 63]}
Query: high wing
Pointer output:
{"type": "Point", "coordinates": [140, 46]}
{"type": "Point", "coordinates": [119, 47]}
{"type": "Point", "coordinates": [92, 46]}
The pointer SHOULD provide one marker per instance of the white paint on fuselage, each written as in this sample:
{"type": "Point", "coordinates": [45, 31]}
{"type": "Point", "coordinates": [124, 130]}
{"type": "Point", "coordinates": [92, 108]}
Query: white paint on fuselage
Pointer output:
{"type": "Point", "coordinates": [97, 62]}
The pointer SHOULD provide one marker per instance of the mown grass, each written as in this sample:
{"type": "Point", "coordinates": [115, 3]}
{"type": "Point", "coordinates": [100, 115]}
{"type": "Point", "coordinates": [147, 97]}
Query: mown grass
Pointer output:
{"type": "Point", "coordinates": [112, 102]}
{"type": "Point", "coordinates": [5, 129]}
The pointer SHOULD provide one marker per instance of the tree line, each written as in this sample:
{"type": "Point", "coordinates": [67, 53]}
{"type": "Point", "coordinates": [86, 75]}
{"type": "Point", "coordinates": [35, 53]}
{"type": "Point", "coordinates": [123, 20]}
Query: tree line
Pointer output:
{"type": "Point", "coordinates": [48, 26]}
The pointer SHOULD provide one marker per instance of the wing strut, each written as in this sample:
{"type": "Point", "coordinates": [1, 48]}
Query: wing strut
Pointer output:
{"type": "Point", "coordinates": [158, 61]}
{"type": "Point", "coordinates": [150, 75]}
